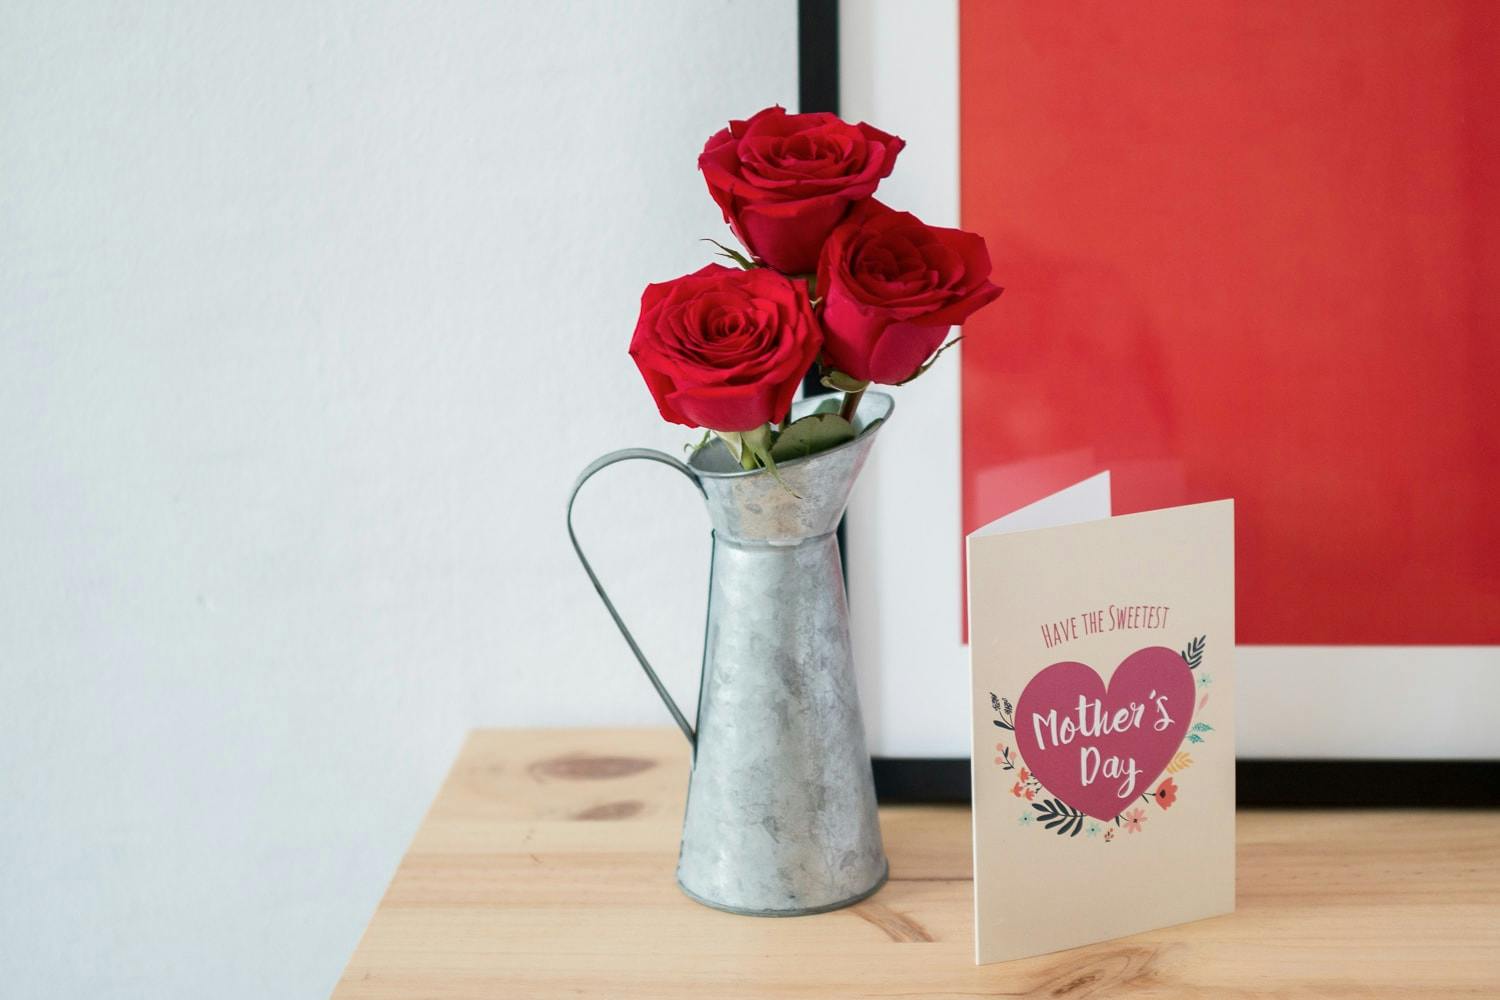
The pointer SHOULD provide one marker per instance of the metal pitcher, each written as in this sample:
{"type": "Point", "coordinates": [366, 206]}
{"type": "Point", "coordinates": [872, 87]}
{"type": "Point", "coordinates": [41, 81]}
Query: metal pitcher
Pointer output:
{"type": "Point", "coordinates": [780, 817]}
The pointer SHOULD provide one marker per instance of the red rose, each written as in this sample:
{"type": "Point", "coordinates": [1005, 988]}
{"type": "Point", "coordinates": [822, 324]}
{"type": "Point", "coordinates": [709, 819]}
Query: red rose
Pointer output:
{"type": "Point", "coordinates": [725, 349]}
{"type": "Point", "coordinates": [892, 286]}
{"type": "Point", "coordinates": [784, 181]}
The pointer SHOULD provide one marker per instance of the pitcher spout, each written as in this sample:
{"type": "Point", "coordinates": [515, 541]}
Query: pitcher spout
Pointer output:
{"type": "Point", "coordinates": [752, 507]}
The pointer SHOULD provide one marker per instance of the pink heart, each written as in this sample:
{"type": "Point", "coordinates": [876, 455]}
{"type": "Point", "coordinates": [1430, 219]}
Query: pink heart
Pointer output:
{"type": "Point", "coordinates": [1059, 729]}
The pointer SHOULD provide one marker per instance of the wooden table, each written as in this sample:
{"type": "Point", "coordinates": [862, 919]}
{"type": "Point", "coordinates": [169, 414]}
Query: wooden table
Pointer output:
{"type": "Point", "coordinates": [545, 869]}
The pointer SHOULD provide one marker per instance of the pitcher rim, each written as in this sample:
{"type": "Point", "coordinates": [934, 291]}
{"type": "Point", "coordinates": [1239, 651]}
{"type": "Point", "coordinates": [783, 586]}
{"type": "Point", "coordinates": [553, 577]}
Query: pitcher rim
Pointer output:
{"type": "Point", "coordinates": [871, 427]}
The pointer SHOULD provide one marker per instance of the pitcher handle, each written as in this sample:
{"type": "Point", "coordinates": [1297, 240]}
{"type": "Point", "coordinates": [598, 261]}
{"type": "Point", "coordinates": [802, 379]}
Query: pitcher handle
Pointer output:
{"type": "Point", "coordinates": [597, 465]}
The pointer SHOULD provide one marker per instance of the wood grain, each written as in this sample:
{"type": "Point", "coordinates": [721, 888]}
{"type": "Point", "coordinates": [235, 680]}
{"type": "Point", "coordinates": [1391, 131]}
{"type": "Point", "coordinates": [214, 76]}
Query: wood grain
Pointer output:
{"type": "Point", "coordinates": [545, 869]}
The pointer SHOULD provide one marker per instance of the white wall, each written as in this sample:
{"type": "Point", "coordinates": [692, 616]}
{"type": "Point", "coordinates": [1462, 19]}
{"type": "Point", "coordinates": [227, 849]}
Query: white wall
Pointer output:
{"type": "Point", "coordinates": [309, 313]}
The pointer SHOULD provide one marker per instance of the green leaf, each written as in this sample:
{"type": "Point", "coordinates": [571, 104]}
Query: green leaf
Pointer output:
{"type": "Point", "coordinates": [813, 433]}
{"type": "Point", "coordinates": [930, 361]}
{"type": "Point", "coordinates": [1202, 727]}
{"type": "Point", "coordinates": [744, 262]}
{"type": "Point", "coordinates": [732, 441]}
{"type": "Point", "coordinates": [830, 405]}
{"type": "Point", "coordinates": [693, 449]}
{"type": "Point", "coordinates": [758, 443]}
{"type": "Point", "coordinates": [1194, 738]}
{"type": "Point", "coordinates": [843, 383]}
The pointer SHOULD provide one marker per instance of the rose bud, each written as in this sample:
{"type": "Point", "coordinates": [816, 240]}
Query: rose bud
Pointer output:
{"type": "Point", "coordinates": [784, 181]}
{"type": "Point", "coordinates": [891, 287]}
{"type": "Point", "coordinates": [725, 349]}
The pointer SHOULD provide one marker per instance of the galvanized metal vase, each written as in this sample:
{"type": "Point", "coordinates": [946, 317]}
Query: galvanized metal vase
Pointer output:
{"type": "Point", "coordinates": [780, 817]}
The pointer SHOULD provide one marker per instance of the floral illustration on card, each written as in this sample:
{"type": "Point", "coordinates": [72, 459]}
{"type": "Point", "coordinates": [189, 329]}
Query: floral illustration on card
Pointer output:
{"type": "Point", "coordinates": [1092, 758]}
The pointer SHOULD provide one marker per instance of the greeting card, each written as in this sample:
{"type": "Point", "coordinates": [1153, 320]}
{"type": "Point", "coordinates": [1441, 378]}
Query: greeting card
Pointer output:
{"type": "Point", "coordinates": [1101, 656]}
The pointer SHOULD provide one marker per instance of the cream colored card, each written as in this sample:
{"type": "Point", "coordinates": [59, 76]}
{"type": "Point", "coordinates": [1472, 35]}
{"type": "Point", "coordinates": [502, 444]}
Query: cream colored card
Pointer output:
{"type": "Point", "coordinates": [1102, 662]}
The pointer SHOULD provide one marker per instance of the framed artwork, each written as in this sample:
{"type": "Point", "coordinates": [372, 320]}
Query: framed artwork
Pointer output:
{"type": "Point", "coordinates": [1250, 252]}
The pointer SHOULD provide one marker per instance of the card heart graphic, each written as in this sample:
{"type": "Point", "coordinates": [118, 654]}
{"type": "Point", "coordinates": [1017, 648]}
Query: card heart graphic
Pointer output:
{"type": "Point", "coordinates": [1098, 748]}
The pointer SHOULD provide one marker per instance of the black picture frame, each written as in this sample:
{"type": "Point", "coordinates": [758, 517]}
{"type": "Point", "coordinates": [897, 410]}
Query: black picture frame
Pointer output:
{"type": "Point", "coordinates": [1263, 784]}
{"type": "Point", "coordinates": [1308, 783]}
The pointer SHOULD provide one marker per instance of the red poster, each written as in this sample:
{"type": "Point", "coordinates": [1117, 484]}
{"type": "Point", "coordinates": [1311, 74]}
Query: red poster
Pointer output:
{"type": "Point", "coordinates": [1251, 251]}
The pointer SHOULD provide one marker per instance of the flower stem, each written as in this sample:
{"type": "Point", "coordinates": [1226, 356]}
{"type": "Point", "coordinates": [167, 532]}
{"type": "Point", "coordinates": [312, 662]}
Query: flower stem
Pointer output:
{"type": "Point", "coordinates": [851, 403]}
